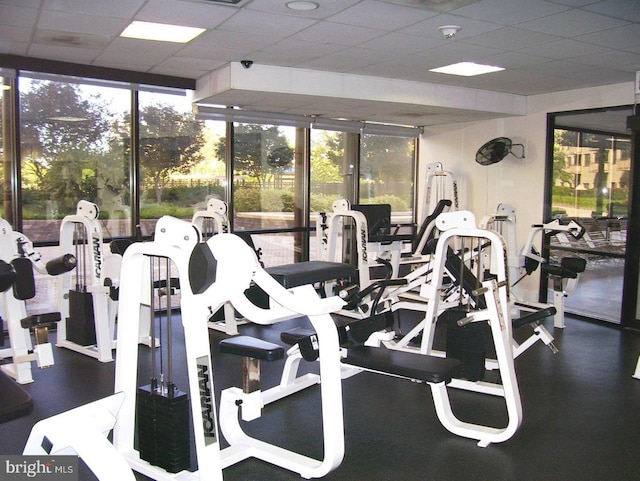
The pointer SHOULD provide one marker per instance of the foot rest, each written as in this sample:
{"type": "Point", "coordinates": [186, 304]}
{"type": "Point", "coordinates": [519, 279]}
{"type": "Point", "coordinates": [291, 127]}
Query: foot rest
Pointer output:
{"type": "Point", "coordinates": [306, 339]}
{"type": "Point", "coordinates": [295, 335]}
{"type": "Point", "coordinates": [310, 272]}
{"type": "Point", "coordinates": [247, 346]}
{"type": "Point", "coordinates": [40, 319]}
{"type": "Point", "coordinates": [404, 364]}
{"type": "Point", "coordinates": [534, 317]}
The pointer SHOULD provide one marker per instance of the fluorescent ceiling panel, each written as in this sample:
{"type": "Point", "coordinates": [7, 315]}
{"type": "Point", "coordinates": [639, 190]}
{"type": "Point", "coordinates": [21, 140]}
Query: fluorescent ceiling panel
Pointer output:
{"type": "Point", "coordinates": [466, 69]}
{"type": "Point", "coordinates": [161, 32]}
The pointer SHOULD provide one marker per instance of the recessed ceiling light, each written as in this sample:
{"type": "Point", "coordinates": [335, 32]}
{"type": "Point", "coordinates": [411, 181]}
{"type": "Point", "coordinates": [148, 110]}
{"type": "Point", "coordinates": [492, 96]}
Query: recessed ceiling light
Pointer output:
{"type": "Point", "coordinates": [302, 5]}
{"type": "Point", "coordinates": [161, 32]}
{"type": "Point", "coordinates": [466, 69]}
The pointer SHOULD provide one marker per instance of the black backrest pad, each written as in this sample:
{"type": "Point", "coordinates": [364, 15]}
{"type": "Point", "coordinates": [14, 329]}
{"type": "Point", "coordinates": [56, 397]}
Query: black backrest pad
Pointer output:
{"type": "Point", "coordinates": [7, 275]}
{"type": "Point", "coordinates": [202, 268]}
{"type": "Point", "coordinates": [25, 285]}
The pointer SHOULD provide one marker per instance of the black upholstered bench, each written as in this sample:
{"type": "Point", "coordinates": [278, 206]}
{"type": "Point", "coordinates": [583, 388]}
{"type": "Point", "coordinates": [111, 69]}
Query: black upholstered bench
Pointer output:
{"type": "Point", "coordinates": [408, 365]}
{"type": "Point", "coordinates": [310, 272]}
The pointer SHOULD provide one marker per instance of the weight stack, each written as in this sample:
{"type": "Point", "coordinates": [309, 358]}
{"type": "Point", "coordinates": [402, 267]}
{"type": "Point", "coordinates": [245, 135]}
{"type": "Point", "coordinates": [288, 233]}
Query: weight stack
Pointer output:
{"type": "Point", "coordinates": [162, 421]}
{"type": "Point", "coordinates": [81, 327]}
{"type": "Point", "coordinates": [466, 343]}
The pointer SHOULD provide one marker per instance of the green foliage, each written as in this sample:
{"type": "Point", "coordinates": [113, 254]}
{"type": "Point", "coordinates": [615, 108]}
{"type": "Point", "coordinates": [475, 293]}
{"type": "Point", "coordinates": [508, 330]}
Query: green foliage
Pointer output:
{"type": "Point", "coordinates": [155, 211]}
{"type": "Point", "coordinates": [397, 204]}
{"type": "Point", "coordinates": [187, 196]}
{"type": "Point", "coordinates": [323, 202]}
{"type": "Point", "coordinates": [257, 200]}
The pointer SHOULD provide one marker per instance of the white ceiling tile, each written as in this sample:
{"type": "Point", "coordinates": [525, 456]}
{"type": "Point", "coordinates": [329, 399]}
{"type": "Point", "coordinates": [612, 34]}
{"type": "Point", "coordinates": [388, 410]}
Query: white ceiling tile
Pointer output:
{"type": "Point", "coordinates": [619, 37]}
{"type": "Point", "coordinates": [401, 43]}
{"type": "Point", "coordinates": [624, 9]}
{"type": "Point", "coordinates": [612, 59]}
{"type": "Point", "coordinates": [15, 34]}
{"type": "Point", "coordinates": [18, 16]}
{"type": "Point", "coordinates": [508, 12]}
{"type": "Point", "coordinates": [189, 14]}
{"type": "Point", "coordinates": [67, 22]}
{"type": "Point", "coordinates": [381, 15]}
{"type": "Point", "coordinates": [65, 54]}
{"type": "Point", "coordinates": [572, 23]}
{"type": "Point", "coordinates": [111, 8]}
{"type": "Point", "coordinates": [14, 48]}
{"type": "Point", "coordinates": [509, 38]}
{"type": "Point", "coordinates": [265, 23]}
{"type": "Point", "coordinates": [563, 48]}
{"type": "Point", "coordinates": [338, 34]}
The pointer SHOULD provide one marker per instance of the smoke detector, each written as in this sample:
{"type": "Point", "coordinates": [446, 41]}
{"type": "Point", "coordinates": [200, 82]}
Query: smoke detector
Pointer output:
{"type": "Point", "coordinates": [449, 31]}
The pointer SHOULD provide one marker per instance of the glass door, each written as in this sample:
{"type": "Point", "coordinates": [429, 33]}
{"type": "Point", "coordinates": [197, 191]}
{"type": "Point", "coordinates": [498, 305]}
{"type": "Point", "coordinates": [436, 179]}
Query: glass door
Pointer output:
{"type": "Point", "coordinates": [590, 183]}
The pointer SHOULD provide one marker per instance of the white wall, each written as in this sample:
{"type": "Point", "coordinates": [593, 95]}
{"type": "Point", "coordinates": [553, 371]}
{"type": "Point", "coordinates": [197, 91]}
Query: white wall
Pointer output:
{"type": "Point", "coordinates": [517, 182]}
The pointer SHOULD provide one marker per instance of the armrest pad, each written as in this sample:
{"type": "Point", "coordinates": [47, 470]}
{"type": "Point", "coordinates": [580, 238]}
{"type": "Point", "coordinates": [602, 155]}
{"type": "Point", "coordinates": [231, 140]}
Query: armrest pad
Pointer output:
{"type": "Point", "coordinates": [247, 346]}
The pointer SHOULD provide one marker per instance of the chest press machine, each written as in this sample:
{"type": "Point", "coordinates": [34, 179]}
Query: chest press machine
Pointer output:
{"type": "Point", "coordinates": [17, 285]}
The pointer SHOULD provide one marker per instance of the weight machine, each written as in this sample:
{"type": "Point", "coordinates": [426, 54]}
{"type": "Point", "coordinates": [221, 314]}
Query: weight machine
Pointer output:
{"type": "Point", "coordinates": [213, 220]}
{"type": "Point", "coordinates": [88, 297]}
{"type": "Point", "coordinates": [210, 275]}
{"type": "Point", "coordinates": [17, 285]}
{"type": "Point", "coordinates": [440, 185]}
{"type": "Point", "coordinates": [564, 277]}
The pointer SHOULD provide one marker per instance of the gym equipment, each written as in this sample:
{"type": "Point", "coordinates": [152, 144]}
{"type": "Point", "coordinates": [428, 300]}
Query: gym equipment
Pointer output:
{"type": "Point", "coordinates": [522, 263]}
{"type": "Point", "coordinates": [162, 411]}
{"type": "Point", "coordinates": [85, 326]}
{"type": "Point", "coordinates": [497, 149]}
{"type": "Point", "coordinates": [213, 220]}
{"type": "Point", "coordinates": [636, 373]}
{"type": "Point", "coordinates": [17, 285]}
{"type": "Point", "coordinates": [88, 299]}
{"type": "Point", "coordinates": [484, 301]}
{"type": "Point", "coordinates": [83, 431]}
{"type": "Point", "coordinates": [441, 185]}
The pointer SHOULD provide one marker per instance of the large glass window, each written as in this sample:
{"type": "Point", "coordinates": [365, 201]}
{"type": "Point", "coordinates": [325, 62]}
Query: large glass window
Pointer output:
{"type": "Point", "coordinates": [179, 170]}
{"type": "Point", "coordinates": [266, 183]}
{"type": "Point", "coordinates": [71, 151]}
{"type": "Point", "coordinates": [387, 174]}
{"type": "Point", "coordinates": [590, 184]}
{"type": "Point", "coordinates": [5, 139]}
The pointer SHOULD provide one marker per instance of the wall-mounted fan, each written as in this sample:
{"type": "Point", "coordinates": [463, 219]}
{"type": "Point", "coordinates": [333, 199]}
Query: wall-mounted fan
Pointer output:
{"type": "Point", "coordinates": [497, 149]}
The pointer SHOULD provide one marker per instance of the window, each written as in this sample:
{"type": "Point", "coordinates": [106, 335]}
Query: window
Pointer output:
{"type": "Point", "coordinates": [72, 149]}
{"type": "Point", "coordinates": [387, 174]}
{"type": "Point", "coordinates": [267, 188]}
{"type": "Point", "coordinates": [178, 167]}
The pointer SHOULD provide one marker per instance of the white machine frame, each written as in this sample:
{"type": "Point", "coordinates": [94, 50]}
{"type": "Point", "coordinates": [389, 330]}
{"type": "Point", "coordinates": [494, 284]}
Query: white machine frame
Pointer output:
{"type": "Point", "coordinates": [215, 220]}
{"type": "Point", "coordinates": [22, 351]}
{"type": "Point", "coordinates": [86, 218]}
{"type": "Point", "coordinates": [504, 221]}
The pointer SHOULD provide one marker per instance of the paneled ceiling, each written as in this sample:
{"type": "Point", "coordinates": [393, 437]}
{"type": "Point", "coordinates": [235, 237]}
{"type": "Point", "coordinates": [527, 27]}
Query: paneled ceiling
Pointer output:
{"type": "Point", "coordinates": [544, 45]}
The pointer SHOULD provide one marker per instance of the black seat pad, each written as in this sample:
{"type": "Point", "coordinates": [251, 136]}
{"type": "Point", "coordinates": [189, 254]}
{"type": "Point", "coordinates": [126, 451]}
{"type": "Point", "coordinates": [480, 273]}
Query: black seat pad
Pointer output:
{"type": "Point", "coordinates": [409, 365]}
{"type": "Point", "coordinates": [310, 272]}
